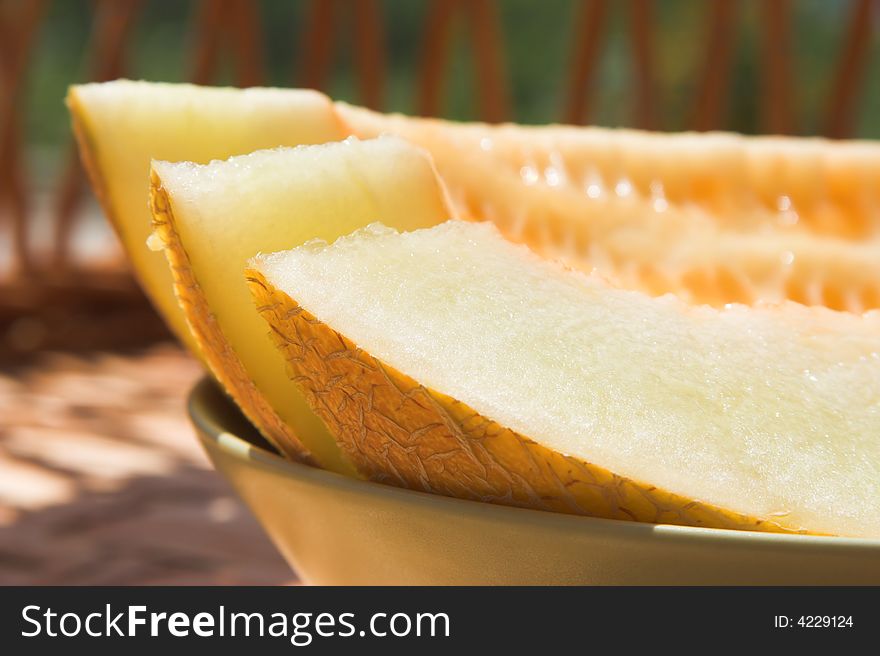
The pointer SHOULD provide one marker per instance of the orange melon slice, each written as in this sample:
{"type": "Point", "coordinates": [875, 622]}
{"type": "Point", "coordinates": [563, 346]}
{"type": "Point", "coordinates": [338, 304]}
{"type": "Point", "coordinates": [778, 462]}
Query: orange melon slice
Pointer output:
{"type": "Point", "coordinates": [715, 218]}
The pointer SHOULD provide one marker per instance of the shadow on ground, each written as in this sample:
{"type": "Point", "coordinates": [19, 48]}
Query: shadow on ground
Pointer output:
{"type": "Point", "coordinates": [103, 482]}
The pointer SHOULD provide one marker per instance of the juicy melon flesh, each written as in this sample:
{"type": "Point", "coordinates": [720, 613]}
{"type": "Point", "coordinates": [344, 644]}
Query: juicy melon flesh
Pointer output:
{"type": "Point", "coordinates": [769, 412]}
{"type": "Point", "coordinates": [715, 218]}
{"type": "Point", "coordinates": [801, 184]}
{"type": "Point", "coordinates": [122, 125]}
{"type": "Point", "coordinates": [217, 216]}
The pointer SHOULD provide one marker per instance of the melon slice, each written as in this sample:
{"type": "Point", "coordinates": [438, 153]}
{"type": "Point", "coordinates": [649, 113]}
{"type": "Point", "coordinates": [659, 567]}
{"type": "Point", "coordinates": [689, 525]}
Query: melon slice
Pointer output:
{"type": "Point", "coordinates": [121, 125]}
{"type": "Point", "coordinates": [212, 218]}
{"type": "Point", "coordinates": [714, 218]}
{"type": "Point", "coordinates": [452, 361]}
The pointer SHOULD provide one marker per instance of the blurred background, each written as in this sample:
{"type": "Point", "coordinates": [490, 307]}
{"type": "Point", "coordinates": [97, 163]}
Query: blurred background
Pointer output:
{"type": "Point", "coordinates": [101, 480]}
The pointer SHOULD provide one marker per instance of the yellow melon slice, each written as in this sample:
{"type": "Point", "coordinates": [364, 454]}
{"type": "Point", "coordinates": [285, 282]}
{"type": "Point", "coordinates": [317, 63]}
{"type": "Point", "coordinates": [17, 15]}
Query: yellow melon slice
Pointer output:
{"type": "Point", "coordinates": [121, 125]}
{"type": "Point", "coordinates": [212, 218]}
{"type": "Point", "coordinates": [715, 218]}
{"type": "Point", "coordinates": [452, 361]}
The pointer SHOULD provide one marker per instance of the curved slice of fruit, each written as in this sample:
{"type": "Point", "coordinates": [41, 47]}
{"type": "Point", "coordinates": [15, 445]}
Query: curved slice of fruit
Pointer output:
{"type": "Point", "coordinates": [715, 218]}
{"type": "Point", "coordinates": [120, 126]}
{"type": "Point", "coordinates": [212, 218]}
{"type": "Point", "coordinates": [453, 361]}
{"type": "Point", "coordinates": [830, 187]}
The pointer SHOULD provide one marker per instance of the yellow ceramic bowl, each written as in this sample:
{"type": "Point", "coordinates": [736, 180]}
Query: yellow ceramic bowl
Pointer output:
{"type": "Point", "coordinates": [338, 530]}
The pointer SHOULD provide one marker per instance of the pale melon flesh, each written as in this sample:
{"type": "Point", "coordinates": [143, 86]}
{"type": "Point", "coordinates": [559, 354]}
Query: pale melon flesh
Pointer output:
{"type": "Point", "coordinates": [770, 413]}
{"type": "Point", "coordinates": [214, 217]}
{"type": "Point", "coordinates": [122, 125]}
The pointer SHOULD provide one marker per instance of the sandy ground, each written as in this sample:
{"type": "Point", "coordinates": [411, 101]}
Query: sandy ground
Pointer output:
{"type": "Point", "coordinates": [103, 482]}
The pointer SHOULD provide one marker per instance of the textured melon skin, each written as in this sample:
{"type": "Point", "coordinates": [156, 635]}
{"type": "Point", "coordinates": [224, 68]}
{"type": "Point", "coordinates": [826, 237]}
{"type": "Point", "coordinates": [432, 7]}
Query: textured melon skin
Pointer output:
{"type": "Point", "coordinates": [221, 359]}
{"type": "Point", "coordinates": [715, 234]}
{"type": "Point", "coordinates": [401, 433]}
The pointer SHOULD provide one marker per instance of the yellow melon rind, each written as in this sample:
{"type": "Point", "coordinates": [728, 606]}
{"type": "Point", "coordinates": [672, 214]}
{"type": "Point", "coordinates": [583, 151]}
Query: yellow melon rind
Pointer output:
{"type": "Point", "coordinates": [219, 355]}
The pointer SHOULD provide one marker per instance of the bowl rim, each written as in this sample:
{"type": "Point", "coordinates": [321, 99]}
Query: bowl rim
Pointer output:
{"type": "Point", "coordinates": [206, 394]}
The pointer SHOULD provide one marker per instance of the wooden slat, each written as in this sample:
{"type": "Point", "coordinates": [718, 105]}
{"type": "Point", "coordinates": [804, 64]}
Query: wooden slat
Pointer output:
{"type": "Point", "coordinates": [208, 23]}
{"type": "Point", "coordinates": [488, 51]}
{"type": "Point", "coordinates": [320, 39]}
{"type": "Point", "coordinates": [848, 82]}
{"type": "Point", "coordinates": [777, 83]}
{"type": "Point", "coordinates": [244, 30]}
{"type": "Point", "coordinates": [589, 36]}
{"type": "Point", "coordinates": [369, 52]}
{"type": "Point", "coordinates": [114, 22]}
{"type": "Point", "coordinates": [17, 33]}
{"type": "Point", "coordinates": [641, 19]}
{"type": "Point", "coordinates": [713, 90]}
{"type": "Point", "coordinates": [438, 34]}
{"type": "Point", "coordinates": [318, 43]}
{"type": "Point", "coordinates": [486, 46]}
{"type": "Point", "coordinates": [228, 26]}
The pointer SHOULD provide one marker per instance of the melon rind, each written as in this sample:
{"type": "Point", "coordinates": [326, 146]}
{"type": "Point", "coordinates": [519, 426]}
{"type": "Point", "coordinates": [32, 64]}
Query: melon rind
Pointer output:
{"type": "Point", "coordinates": [218, 354]}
